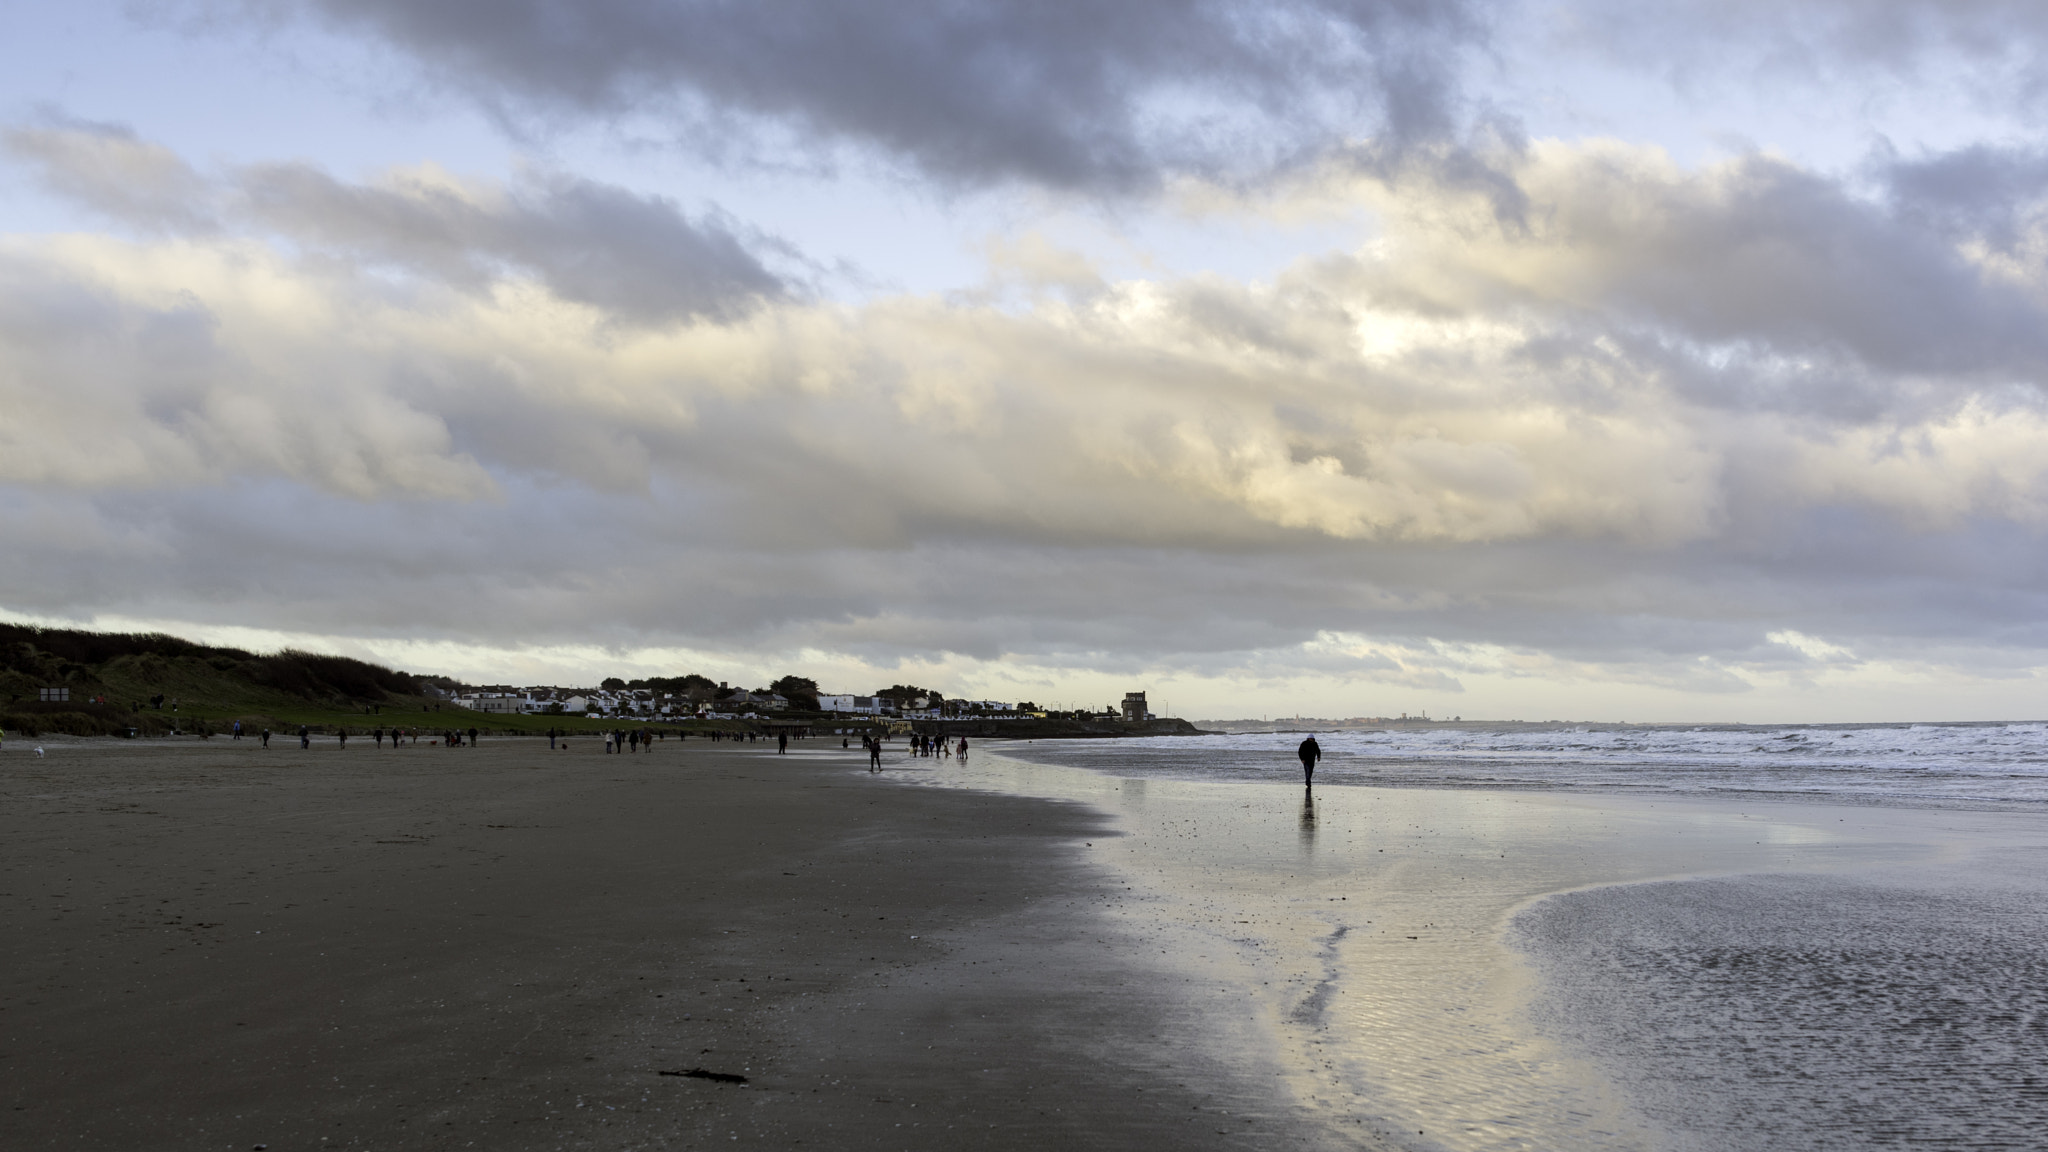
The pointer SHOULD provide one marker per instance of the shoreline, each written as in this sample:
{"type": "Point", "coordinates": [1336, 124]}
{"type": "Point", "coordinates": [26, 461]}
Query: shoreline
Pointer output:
{"type": "Point", "coordinates": [223, 947]}
{"type": "Point", "coordinates": [1372, 927]}
{"type": "Point", "coordinates": [509, 945]}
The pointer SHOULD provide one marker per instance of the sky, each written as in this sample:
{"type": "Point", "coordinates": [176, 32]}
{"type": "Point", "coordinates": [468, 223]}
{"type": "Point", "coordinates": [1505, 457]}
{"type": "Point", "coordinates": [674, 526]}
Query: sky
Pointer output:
{"type": "Point", "coordinates": [1574, 360]}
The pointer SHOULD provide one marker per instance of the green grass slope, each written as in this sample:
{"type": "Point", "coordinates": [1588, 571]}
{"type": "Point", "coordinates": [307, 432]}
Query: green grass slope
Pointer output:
{"type": "Point", "coordinates": [115, 678]}
{"type": "Point", "coordinates": [204, 690]}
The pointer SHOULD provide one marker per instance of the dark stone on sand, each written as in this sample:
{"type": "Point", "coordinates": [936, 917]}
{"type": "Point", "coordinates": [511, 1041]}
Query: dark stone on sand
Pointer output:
{"type": "Point", "coordinates": [706, 1074]}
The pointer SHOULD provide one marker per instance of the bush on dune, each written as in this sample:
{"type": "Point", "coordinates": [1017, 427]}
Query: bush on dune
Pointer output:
{"type": "Point", "coordinates": [87, 662]}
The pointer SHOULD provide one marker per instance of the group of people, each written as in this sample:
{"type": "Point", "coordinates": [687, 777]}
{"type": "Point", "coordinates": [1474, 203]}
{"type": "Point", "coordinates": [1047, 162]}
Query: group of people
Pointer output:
{"type": "Point", "coordinates": [920, 745]}
{"type": "Point", "coordinates": [452, 738]}
{"type": "Point", "coordinates": [620, 741]}
{"type": "Point", "coordinates": [923, 745]}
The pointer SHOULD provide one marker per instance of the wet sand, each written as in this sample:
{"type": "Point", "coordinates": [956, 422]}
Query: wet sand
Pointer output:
{"type": "Point", "coordinates": [1487, 970]}
{"type": "Point", "coordinates": [212, 946]}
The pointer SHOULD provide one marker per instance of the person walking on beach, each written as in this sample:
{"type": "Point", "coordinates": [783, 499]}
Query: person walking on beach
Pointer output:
{"type": "Point", "coordinates": [1310, 752]}
{"type": "Point", "coordinates": [782, 743]}
{"type": "Point", "coordinates": [551, 739]}
{"type": "Point", "coordinates": [305, 737]}
{"type": "Point", "coordinates": [238, 729]}
{"type": "Point", "coordinates": [266, 737]}
{"type": "Point", "coordinates": [874, 744]}
{"type": "Point", "coordinates": [472, 737]}
{"type": "Point", "coordinates": [963, 749]}
{"type": "Point", "coordinates": [341, 734]}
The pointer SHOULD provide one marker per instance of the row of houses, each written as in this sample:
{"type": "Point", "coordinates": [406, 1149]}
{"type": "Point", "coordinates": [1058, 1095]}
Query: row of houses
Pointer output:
{"type": "Point", "coordinates": [726, 703]}
{"type": "Point", "coordinates": [643, 703]}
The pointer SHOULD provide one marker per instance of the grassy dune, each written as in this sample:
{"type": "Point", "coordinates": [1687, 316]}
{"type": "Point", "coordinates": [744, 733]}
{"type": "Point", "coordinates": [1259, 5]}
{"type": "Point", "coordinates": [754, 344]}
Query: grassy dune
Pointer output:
{"type": "Point", "coordinates": [205, 689]}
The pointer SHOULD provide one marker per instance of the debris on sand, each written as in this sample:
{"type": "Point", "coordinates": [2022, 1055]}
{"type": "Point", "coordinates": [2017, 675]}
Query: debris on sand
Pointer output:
{"type": "Point", "coordinates": [706, 1074]}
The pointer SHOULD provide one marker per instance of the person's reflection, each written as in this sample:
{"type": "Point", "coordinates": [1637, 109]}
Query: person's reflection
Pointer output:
{"type": "Point", "coordinates": [1308, 823]}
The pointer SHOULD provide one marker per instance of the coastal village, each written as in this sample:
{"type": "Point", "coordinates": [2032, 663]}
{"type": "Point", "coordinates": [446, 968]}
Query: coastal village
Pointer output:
{"type": "Point", "coordinates": [698, 698]}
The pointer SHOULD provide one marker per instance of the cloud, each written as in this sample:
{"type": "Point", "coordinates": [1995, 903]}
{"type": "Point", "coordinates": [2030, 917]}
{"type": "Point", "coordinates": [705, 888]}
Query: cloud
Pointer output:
{"type": "Point", "coordinates": [1104, 97]}
{"type": "Point", "coordinates": [109, 169]}
{"type": "Point", "coordinates": [1993, 47]}
{"type": "Point", "coordinates": [640, 258]}
{"type": "Point", "coordinates": [637, 257]}
{"type": "Point", "coordinates": [1692, 429]}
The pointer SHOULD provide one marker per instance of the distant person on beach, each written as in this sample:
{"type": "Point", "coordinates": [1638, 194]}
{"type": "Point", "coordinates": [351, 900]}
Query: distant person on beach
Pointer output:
{"type": "Point", "coordinates": [551, 739]}
{"type": "Point", "coordinates": [305, 737]}
{"type": "Point", "coordinates": [963, 749]}
{"type": "Point", "coordinates": [1310, 752]}
{"type": "Point", "coordinates": [341, 734]}
{"type": "Point", "coordinates": [266, 737]}
{"type": "Point", "coordinates": [472, 737]}
{"type": "Point", "coordinates": [874, 753]}
{"type": "Point", "coordinates": [782, 743]}
{"type": "Point", "coordinates": [238, 729]}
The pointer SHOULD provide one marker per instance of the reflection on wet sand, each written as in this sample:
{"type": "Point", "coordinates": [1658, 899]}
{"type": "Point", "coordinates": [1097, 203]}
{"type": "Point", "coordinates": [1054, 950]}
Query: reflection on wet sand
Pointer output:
{"type": "Point", "coordinates": [1371, 948]}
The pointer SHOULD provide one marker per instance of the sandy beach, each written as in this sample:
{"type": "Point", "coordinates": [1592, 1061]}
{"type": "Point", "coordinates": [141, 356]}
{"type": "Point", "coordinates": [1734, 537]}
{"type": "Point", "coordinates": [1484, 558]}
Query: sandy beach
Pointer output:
{"type": "Point", "coordinates": [211, 946]}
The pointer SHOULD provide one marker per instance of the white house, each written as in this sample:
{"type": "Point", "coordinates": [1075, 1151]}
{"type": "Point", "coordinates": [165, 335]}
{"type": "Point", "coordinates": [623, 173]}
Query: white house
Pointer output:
{"type": "Point", "coordinates": [858, 705]}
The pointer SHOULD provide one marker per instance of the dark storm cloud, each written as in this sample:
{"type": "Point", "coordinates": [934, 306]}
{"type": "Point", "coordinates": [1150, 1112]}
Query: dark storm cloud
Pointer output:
{"type": "Point", "coordinates": [1065, 93]}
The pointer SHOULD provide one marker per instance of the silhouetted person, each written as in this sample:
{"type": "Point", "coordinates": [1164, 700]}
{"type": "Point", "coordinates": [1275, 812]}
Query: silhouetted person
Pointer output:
{"type": "Point", "coordinates": [782, 743]}
{"type": "Point", "coordinates": [305, 737]}
{"type": "Point", "coordinates": [472, 738]}
{"type": "Point", "coordinates": [1310, 752]}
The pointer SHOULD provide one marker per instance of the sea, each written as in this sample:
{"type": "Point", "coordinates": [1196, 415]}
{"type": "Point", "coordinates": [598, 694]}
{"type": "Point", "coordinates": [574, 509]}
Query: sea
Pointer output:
{"type": "Point", "coordinates": [1707, 938]}
{"type": "Point", "coordinates": [1996, 765]}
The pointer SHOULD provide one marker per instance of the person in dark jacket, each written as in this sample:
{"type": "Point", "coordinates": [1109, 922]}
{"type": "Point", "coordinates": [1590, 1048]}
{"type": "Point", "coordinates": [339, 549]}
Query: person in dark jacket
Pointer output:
{"type": "Point", "coordinates": [1310, 752]}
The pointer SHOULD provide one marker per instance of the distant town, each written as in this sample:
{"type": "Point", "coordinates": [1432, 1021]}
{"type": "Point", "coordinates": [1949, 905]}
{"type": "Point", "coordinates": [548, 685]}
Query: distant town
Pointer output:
{"type": "Point", "coordinates": [699, 697]}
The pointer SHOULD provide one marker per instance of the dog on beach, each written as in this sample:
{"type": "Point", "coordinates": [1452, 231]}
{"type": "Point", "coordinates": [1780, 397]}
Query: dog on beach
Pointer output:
{"type": "Point", "coordinates": [39, 751]}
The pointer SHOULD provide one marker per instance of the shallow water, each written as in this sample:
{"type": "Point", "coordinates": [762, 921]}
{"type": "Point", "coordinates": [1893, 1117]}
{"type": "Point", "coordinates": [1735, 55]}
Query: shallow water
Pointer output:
{"type": "Point", "coordinates": [1975, 765]}
{"type": "Point", "coordinates": [1824, 1013]}
{"type": "Point", "coordinates": [1368, 929]}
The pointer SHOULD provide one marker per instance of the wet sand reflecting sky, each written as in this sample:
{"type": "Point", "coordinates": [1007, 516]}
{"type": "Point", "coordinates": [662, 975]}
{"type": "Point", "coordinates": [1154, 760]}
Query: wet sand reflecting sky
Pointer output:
{"type": "Point", "coordinates": [1371, 929]}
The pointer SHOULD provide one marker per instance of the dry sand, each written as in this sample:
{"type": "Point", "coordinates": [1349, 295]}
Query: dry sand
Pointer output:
{"type": "Point", "coordinates": [209, 945]}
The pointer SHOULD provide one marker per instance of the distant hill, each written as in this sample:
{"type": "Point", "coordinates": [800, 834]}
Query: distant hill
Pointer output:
{"type": "Point", "coordinates": [129, 671]}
